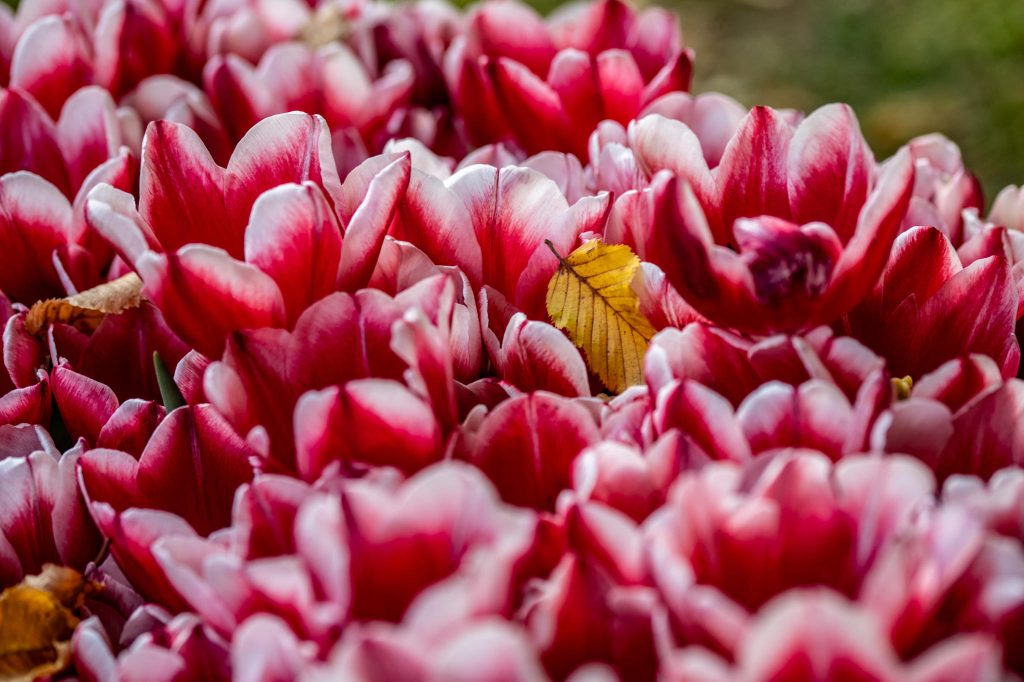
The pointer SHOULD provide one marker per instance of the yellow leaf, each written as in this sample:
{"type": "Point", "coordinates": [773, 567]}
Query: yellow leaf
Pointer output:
{"type": "Point", "coordinates": [87, 309]}
{"type": "Point", "coordinates": [591, 299]}
{"type": "Point", "coordinates": [37, 620]}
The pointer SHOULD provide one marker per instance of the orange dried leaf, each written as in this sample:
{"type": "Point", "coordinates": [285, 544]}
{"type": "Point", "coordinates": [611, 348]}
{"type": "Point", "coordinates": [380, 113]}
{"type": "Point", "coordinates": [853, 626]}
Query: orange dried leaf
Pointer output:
{"type": "Point", "coordinates": [87, 309]}
{"type": "Point", "coordinates": [591, 299]}
{"type": "Point", "coordinates": [37, 620]}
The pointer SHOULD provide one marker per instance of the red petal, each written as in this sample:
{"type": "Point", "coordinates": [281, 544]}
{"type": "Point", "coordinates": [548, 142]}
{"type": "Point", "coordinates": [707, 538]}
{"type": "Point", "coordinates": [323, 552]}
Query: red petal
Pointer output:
{"type": "Point", "coordinates": [24, 355]}
{"type": "Point", "coordinates": [51, 61]}
{"type": "Point", "coordinates": [575, 79]}
{"type": "Point", "coordinates": [241, 98]}
{"type": "Point", "coordinates": [703, 416]}
{"type": "Point", "coordinates": [294, 237]}
{"type": "Point", "coordinates": [133, 40]}
{"type": "Point", "coordinates": [132, 534]}
{"type": "Point", "coordinates": [513, 30]}
{"type": "Point", "coordinates": [369, 421]}
{"type": "Point", "coordinates": [85, 404]}
{"type": "Point", "coordinates": [365, 231]}
{"type": "Point", "coordinates": [111, 214]}
{"type": "Point", "coordinates": [661, 143]}
{"type": "Point", "coordinates": [540, 122]}
{"type": "Point", "coordinates": [752, 178]}
{"type": "Point", "coordinates": [251, 388]}
{"type": "Point", "coordinates": [434, 218]}
{"type": "Point", "coordinates": [809, 633]}
{"type": "Point", "coordinates": [527, 445]}
{"type": "Point", "coordinates": [830, 170]}
{"type": "Point", "coordinates": [173, 157]}
{"type": "Point", "coordinates": [36, 220]}
{"type": "Point", "coordinates": [30, 405]}
{"type": "Point", "coordinates": [292, 147]}
{"type": "Point", "coordinates": [816, 415]}
{"type": "Point", "coordinates": [621, 85]}
{"type": "Point", "coordinates": [703, 353]}
{"type": "Point", "coordinates": [120, 352]}
{"type": "Point", "coordinates": [474, 96]}
{"type": "Point", "coordinates": [264, 647]}
{"type": "Point", "coordinates": [513, 210]}
{"type": "Point", "coordinates": [959, 380]}
{"type": "Point", "coordinates": [675, 76]}
{"type": "Point", "coordinates": [865, 254]}
{"type": "Point", "coordinates": [130, 427]}
{"type": "Point", "coordinates": [28, 140]}
{"type": "Point", "coordinates": [205, 295]}
{"type": "Point", "coordinates": [192, 449]}
{"type": "Point", "coordinates": [536, 356]}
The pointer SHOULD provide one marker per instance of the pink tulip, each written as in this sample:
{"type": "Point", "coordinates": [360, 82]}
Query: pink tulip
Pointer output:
{"type": "Point", "coordinates": [172, 647]}
{"type": "Point", "coordinates": [44, 518]}
{"type": "Point", "coordinates": [598, 61]}
{"type": "Point", "coordinates": [797, 249]}
{"type": "Point", "coordinates": [278, 216]}
{"type": "Point", "coordinates": [817, 634]}
{"type": "Point", "coordinates": [154, 478]}
{"type": "Point", "coordinates": [330, 81]}
{"type": "Point", "coordinates": [959, 420]}
{"type": "Point", "coordinates": [264, 373]}
{"type": "Point", "coordinates": [912, 302]}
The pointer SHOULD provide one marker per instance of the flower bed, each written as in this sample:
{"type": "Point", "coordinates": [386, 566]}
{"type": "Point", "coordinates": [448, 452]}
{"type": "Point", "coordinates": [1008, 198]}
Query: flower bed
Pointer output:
{"type": "Point", "coordinates": [398, 342]}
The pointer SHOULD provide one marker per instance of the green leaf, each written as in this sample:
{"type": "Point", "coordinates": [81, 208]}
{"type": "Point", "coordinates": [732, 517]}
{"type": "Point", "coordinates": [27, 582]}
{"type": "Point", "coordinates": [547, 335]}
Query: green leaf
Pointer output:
{"type": "Point", "coordinates": [169, 391]}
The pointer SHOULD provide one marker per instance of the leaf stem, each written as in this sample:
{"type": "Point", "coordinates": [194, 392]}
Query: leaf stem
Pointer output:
{"type": "Point", "coordinates": [552, 247]}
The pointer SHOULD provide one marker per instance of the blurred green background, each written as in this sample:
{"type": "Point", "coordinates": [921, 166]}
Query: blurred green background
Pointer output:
{"type": "Point", "coordinates": [908, 67]}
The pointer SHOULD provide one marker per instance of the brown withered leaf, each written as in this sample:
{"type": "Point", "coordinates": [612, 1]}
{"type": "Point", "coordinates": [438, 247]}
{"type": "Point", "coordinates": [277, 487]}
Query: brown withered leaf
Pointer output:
{"type": "Point", "coordinates": [85, 310]}
{"type": "Point", "coordinates": [591, 299]}
{"type": "Point", "coordinates": [37, 619]}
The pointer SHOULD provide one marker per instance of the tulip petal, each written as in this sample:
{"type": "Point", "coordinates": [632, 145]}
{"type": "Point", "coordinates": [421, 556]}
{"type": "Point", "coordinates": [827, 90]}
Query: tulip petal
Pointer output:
{"type": "Point", "coordinates": [51, 61]}
{"type": "Point", "coordinates": [526, 446]}
{"type": "Point", "coordinates": [371, 421]}
{"type": "Point", "coordinates": [174, 157]}
{"type": "Point", "coordinates": [365, 232]}
{"type": "Point", "coordinates": [830, 169]}
{"type": "Point", "coordinates": [294, 237]}
{"type": "Point", "coordinates": [752, 177]}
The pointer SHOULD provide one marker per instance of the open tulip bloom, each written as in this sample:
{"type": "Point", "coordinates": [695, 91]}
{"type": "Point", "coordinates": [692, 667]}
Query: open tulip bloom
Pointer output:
{"type": "Point", "coordinates": [347, 340]}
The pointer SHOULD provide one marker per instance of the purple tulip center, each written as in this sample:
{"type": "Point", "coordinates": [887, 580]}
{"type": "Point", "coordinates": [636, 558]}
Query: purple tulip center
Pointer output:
{"type": "Point", "coordinates": [785, 258]}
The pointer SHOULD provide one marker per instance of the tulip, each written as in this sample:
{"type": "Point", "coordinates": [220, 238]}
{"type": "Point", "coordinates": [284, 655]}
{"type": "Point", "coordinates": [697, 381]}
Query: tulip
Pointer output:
{"type": "Point", "coordinates": [44, 518]}
{"type": "Point", "coordinates": [277, 216]}
{"type": "Point", "coordinates": [798, 248]}
{"type": "Point", "coordinates": [193, 448]}
{"type": "Point", "coordinates": [601, 60]}
{"type": "Point", "coordinates": [907, 307]}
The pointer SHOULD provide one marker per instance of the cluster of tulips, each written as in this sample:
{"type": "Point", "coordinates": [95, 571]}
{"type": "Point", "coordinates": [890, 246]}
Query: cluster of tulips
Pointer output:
{"type": "Point", "coordinates": [336, 434]}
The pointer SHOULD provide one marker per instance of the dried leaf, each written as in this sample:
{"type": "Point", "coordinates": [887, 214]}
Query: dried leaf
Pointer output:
{"type": "Point", "coordinates": [87, 309]}
{"type": "Point", "coordinates": [37, 620]}
{"type": "Point", "coordinates": [591, 299]}
{"type": "Point", "coordinates": [327, 26]}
